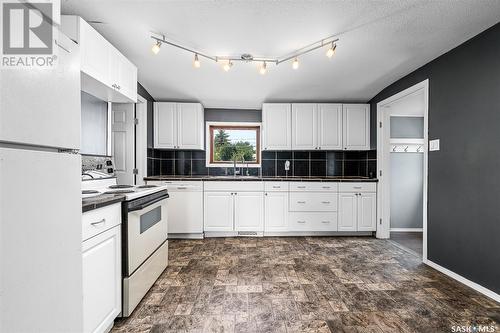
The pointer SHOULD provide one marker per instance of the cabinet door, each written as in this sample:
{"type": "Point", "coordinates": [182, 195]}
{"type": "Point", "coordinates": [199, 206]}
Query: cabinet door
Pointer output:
{"type": "Point", "coordinates": [304, 127]}
{"type": "Point", "coordinates": [191, 124]}
{"type": "Point", "coordinates": [356, 126]}
{"type": "Point", "coordinates": [249, 211]}
{"type": "Point", "coordinates": [276, 211]}
{"type": "Point", "coordinates": [276, 127]}
{"type": "Point", "coordinates": [185, 212]}
{"type": "Point", "coordinates": [101, 280]}
{"type": "Point", "coordinates": [95, 53]}
{"type": "Point", "coordinates": [347, 212]}
{"type": "Point", "coordinates": [123, 76]}
{"type": "Point", "coordinates": [330, 126]}
{"type": "Point", "coordinates": [367, 212]}
{"type": "Point", "coordinates": [218, 211]}
{"type": "Point", "coordinates": [165, 122]}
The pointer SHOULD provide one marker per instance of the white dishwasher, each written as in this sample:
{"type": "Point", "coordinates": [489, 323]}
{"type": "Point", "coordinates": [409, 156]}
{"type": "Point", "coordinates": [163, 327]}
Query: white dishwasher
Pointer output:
{"type": "Point", "coordinates": [185, 208]}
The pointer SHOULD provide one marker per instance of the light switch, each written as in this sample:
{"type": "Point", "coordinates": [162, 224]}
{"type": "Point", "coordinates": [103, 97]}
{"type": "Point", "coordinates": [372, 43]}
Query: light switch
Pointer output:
{"type": "Point", "coordinates": [434, 145]}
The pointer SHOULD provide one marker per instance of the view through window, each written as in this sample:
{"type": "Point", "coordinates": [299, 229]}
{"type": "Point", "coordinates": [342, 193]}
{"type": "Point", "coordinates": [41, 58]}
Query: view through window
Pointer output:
{"type": "Point", "coordinates": [240, 143]}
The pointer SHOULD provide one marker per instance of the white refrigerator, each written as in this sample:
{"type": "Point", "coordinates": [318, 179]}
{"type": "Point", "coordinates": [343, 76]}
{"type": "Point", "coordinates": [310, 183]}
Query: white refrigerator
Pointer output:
{"type": "Point", "coordinates": [40, 198]}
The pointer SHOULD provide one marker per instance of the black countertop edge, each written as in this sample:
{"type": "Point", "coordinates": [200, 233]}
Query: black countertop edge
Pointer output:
{"type": "Point", "coordinates": [288, 179]}
{"type": "Point", "coordinates": [100, 201]}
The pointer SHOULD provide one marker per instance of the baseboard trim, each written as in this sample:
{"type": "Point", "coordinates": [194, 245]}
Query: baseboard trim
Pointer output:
{"type": "Point", "coordinates": [185, 236]}
{"type": "Point", "coordinates": [485, 291]}
{"type": "Point", "coordinates": [406, 229]}
{"type": "Point", "coordinates": [316, 233]}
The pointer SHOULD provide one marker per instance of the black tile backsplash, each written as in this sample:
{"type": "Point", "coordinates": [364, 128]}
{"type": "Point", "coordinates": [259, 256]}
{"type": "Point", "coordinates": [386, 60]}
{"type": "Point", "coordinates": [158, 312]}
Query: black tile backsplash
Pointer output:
{"type": "Point", "coordinates": [302, 163]}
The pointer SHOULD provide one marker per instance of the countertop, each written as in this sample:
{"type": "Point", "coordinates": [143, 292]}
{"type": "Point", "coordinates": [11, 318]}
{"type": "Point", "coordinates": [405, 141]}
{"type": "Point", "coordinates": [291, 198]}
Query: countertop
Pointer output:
{"type": "Point", "coordinates": [254, 178]}
{"type": "Point", "coordinates": [101, 200]}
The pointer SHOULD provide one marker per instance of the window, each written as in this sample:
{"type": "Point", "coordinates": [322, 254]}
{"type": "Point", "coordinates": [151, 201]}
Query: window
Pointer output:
{"type": "Point", "coordinates": [233, 141]}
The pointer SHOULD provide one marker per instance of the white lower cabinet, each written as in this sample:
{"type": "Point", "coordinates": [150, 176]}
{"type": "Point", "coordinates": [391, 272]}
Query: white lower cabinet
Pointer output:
{"type": "Point", "coordinates": [102, 275]}
{"type": "Point", "coordinates": [357, 211]}
{"type": "Point", "coordinates": [249, 211]}
{"type": "Point", "coordinates": [276, 211]}
{"type": "Point", "coordinates": [219, 211]}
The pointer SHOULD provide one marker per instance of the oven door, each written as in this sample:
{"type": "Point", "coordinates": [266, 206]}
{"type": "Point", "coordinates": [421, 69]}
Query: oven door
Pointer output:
{"type": "Point", "coordinates": [146, 231]}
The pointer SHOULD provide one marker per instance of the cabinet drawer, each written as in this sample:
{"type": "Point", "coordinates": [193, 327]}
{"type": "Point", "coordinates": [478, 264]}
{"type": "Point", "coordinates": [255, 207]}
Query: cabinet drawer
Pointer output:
{"type": "Point", "coordinates": [358, 187]}
{"type": "Point", "coordinates": [314, 186]}
{"type": "Point", "coordinates": [313, 221]}
{"type": "Point", "coordinates": [99, 220]}
{"type": "Point", "coordinates": [275, 186]}
{"type": "Point", "coordinates": [313, 202]}
{"type": "Point", "coordinates": [234, 186]}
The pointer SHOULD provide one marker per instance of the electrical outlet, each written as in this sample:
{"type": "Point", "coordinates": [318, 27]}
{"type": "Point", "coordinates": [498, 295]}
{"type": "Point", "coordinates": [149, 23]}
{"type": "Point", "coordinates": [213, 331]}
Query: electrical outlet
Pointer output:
{"type": "Point", "coordinates": [434, 145]}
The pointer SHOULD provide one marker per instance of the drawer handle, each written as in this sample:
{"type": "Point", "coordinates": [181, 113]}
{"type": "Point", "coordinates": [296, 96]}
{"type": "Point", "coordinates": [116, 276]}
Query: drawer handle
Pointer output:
{"type": "Point", "coordinates": [325, 202]}
{"type": "Point", "coordinates": [301, 202]}
{"type": "Point", "coordinates": [326, 186]}
{"type": "Point", "coordinates": [181, 187]}
{"type": "Point", "coordinates": [325, 221]}
{"type": "Point", "coordinates": [301, 221]}
{"type": "Point", "coordinates": [301, 187]}
{"type": "Point", "coordinates": [95, 224]}
{"type": "Point", "coordinates": [276, 186]}
{"type": "Point", "coordinates": [358, 187]}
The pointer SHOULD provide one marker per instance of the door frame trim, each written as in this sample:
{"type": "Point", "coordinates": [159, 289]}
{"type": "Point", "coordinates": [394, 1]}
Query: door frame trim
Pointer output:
{"type": "Point", "coordinates": [141, 140]}
{"type": "Point", "coordinates": [383, 202]}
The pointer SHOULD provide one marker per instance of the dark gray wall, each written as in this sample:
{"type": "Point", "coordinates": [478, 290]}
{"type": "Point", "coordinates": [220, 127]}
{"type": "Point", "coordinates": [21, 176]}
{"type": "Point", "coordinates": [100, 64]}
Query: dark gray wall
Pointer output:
{"type": "Point", "coordinates": [464, 188]}
{"type": "Point", "coordinates": [144, 93]}
{"type": "Point", "coordinates": [231, 115]}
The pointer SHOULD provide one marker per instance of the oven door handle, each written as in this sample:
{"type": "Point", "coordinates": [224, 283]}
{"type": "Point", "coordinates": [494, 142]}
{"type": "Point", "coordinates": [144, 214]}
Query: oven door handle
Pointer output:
{"type": "Point", "coordinates": [149, 203]}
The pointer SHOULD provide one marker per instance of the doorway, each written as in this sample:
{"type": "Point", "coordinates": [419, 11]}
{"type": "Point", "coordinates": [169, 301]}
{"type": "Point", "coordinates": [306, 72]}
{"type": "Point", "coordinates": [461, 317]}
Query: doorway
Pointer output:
{"type": "Point", "coordinates": [402, 141]}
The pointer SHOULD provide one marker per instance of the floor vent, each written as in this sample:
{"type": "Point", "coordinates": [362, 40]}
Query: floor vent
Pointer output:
{"type": "Point", "coordinates": [247, 233]}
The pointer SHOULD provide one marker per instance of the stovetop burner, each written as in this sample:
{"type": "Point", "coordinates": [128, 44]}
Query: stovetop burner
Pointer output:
{"type": "Point", "coordinates": [147, 186]}
{"type": "Point", "coordinates": [119, 192]}
{"type": "Point", "coordinates": [89, 191]}
{"type": "Point", "coordinates": [120, 186]}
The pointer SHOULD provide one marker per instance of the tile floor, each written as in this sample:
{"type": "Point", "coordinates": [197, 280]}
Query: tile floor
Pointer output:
{"type": "Point", "coordinates": [309, 284]}
{"type": "Point", "coordinates": [410, 240]}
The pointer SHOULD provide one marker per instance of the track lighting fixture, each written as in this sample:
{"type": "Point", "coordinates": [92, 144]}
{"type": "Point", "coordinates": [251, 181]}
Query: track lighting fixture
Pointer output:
{"type": "Point", "coordinates": [331, 50]}
{"type": "Point", "coordinates": [227, 66]}
{"type": "Point", "coordinates": [196, 62]}
{"type": "Point", "coordinates": [227, 61]}
{"type": "Point", "coordinates": [156, 47]}
{"type": "Point", "coordinates": [263, 68]}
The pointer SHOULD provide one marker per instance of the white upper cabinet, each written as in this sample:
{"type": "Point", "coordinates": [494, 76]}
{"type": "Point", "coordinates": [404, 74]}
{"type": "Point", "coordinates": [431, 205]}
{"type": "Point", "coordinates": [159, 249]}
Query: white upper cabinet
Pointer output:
{"type": "Point", "coordinates": [106, 73]}
{"type": "Point", "coordinates": [276, 126]}
{"type": "Point", "coordinates": [178, 125]}
{"type": "Point", "coordinates": [330, 126]}
{"type": "Point", "coordinates": [190, 121]}
{"type": "Point", "coordinates": [304, 126]}
{"type": "Point", "coordinates": [356, 126]}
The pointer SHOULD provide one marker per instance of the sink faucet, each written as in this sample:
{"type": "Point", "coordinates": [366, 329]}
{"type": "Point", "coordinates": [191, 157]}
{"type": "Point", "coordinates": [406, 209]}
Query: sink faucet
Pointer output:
{"type": "Point", "coordinates": [234, 167]}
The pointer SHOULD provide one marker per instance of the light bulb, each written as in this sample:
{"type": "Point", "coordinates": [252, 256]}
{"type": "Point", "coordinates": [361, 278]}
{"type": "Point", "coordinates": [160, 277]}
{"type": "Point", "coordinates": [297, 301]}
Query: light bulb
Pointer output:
{"type": "Point", "coordinates": [331, 50]}
{"type": "Point", "coordinates": [196, 62]}
{"type": "Point", "coordinates": [263, 68]}
{"type": "Point", "coordinates": [156, 47]}
{"type": "Point", "coordinates": [227, 66]}
{"type": "Point", "coordinates": [295, 63]}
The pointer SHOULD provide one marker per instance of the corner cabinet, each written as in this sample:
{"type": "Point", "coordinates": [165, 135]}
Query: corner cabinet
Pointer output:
{"type": "Point", "coordinates": [356, 126]}
{"type": "Point", "coordinates": [357, 207]}
{"type": "Point", "coordinates": [276, 126]}
{"type": "Point", "coordinates": [106, 73]}
{"type": "Point", "coordinates": [179, 125]}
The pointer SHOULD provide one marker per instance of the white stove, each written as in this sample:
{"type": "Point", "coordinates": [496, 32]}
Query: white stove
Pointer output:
{"type": "Point", "coordinates": [94, 187]}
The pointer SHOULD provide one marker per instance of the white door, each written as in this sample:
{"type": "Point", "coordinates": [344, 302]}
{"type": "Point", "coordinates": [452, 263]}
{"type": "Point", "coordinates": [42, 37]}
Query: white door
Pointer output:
{"type": "Point", "coordinates": [165, 125]}
{"type": "Point", "coordinates": [356, 126]}
{"type": "Point", "coordinates": [276, 127]}
{"type": "Point", "coordinates": [123, 142]}
{"type": "Point", "coordinates": [95, 53]}
{"type": "Point", "coordinates": [276, 211]}
{"type": "Point", "coordinates": [249, 211]}
{"type": "Point", "coordinates": [101, 263]}
{"type": "Point", "coordinates": [191, 126]}
{"type": "Point", "coordinates": [367, 212]}
{"type": "Point", "coordinates": [42, 106]}
{"type": "Point", "coordinates": [330, 126]}
{"type": "Point", "coordinates": [185, 212]}
{"type": "Point", "coordinates": [304, 127]}
{"type": "Point", "coordinates": [348, 212]}
{"type": "Point", "coordinates": [218, 213]}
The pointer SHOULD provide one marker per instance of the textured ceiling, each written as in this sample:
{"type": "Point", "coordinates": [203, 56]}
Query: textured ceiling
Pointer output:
{"type": "Point", "coordinates": [380, 42]}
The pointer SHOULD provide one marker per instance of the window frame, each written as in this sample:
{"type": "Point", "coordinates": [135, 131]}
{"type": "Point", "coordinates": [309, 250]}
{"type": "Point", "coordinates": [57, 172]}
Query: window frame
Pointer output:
{"type": "Point", "coordinates": [211, 126]}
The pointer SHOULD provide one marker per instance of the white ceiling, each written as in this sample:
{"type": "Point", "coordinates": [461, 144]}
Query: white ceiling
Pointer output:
{"type": "Point", "coordinates": [380, 42]}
